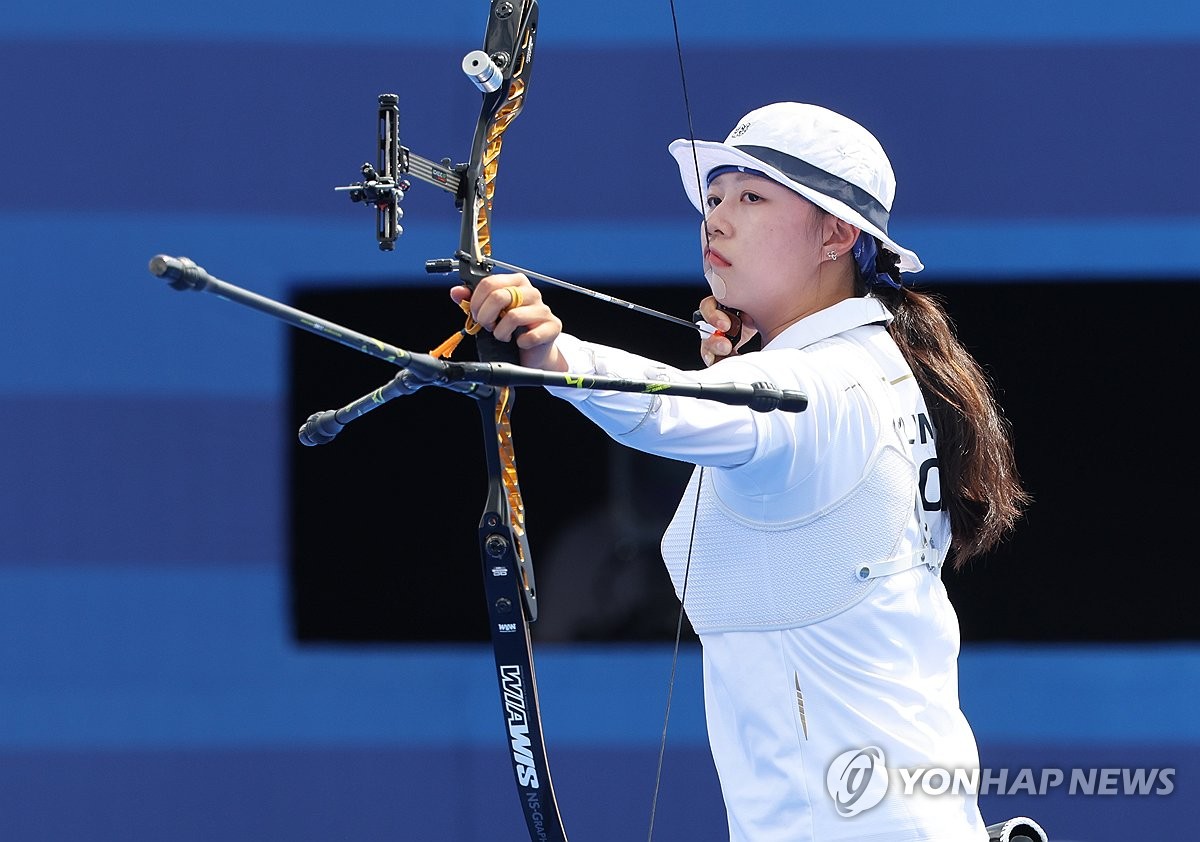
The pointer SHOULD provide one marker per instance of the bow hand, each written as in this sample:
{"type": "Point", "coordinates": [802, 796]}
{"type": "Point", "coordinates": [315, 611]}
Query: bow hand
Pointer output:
{"type": "Point", "coordinates": [512, 311]}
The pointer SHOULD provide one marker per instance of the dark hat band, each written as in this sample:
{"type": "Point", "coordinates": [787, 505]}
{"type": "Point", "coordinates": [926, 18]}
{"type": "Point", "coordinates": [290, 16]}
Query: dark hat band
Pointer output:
{"type": "Point", "coordinates": [826, 183]}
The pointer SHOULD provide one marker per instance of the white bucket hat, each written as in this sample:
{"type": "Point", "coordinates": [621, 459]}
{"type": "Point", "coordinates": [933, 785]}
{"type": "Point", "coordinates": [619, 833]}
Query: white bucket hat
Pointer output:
{"type": "Point", "coordinates": [828, 159]}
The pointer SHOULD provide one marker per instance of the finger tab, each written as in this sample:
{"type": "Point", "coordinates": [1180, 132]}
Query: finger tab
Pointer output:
{"type": "Point", "coordinates": [734, 333]}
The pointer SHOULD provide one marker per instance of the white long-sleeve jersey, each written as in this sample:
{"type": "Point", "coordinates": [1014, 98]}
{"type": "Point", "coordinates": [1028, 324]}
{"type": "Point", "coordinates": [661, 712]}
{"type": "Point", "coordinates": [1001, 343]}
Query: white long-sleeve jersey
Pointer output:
{"type": "Point", "coordinates": [809, 566]}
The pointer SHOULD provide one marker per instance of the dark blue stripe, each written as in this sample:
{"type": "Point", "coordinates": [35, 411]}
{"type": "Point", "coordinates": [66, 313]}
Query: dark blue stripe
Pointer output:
{"type": "Point", "coordinates": [135, 642]}
{"type": "Point", "coordinates": [978, 132]}
{"type": "Point", "coordinates": [197, 480]}
{"type": "Point", "coordinates": [465, 794]}
{"type": "Point", "coordinates": [450, 793]}
{"type": "Point", "coordinates": [875, 21]}
{"type": "Point", "coordinates": [823, 182]}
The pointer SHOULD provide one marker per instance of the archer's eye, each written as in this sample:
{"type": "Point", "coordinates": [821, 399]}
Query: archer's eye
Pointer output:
{"type": "Point", "coordinates": [711, 202]}
{"type": "Point", "coordinates": [751, 197]}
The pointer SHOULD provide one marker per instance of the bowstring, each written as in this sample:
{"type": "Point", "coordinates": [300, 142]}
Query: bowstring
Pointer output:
{"type": "Point", "coordinates": [687, 107]}
{"type": "Point", "coordinates": [662, 748]}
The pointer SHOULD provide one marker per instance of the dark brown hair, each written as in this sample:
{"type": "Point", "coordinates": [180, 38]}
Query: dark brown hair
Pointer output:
{"type": "Point", "coordinates": [981, 490]}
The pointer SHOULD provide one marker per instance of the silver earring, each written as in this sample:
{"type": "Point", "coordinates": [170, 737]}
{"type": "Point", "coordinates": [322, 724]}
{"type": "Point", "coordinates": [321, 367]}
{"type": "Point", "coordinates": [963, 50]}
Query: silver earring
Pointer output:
{"type": "Point", "coordinates": [831, 254]}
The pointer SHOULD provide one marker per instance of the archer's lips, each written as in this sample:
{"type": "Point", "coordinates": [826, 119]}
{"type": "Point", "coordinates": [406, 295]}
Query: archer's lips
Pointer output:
{"type": "Point", "coordinates": [716, 259]}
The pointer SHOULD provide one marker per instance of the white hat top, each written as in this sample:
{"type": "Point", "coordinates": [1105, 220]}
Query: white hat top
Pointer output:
{"type": "Point", "coordinates": [825, 157]}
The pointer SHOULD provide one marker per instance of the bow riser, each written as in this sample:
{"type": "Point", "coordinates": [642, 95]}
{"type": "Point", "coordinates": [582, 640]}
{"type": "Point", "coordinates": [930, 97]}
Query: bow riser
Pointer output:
{"type": "Point", "coordinates": [509, 43]}
{"type": "Point", "coordinates": [504, 549]}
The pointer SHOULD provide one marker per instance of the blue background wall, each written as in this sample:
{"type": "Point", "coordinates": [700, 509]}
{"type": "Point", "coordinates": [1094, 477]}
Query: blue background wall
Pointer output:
{"type": "Point", "coordinates": [148, 685]}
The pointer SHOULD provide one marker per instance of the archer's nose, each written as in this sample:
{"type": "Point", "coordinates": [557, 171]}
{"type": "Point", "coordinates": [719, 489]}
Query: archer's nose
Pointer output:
{"type": "Point", "coordinates": [713, 226]}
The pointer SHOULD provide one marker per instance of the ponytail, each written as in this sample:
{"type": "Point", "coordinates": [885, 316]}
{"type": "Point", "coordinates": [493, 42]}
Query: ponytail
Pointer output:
{"type": "Point", "coordinates": [981, 489]}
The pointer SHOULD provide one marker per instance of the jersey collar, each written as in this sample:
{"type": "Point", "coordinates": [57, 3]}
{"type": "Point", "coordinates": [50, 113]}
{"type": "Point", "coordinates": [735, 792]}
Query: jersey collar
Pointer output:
{"type": "Point", "coordinates": [841, 317]}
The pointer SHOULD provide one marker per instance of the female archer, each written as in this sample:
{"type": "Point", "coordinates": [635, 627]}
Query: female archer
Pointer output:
{"type": "Point", "coordinates": [807, 548]}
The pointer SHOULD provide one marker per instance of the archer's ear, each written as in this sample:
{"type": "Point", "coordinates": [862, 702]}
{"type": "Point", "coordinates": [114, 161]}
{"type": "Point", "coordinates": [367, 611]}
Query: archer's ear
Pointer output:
{"type": "Point", "coordinates": [840, 234]}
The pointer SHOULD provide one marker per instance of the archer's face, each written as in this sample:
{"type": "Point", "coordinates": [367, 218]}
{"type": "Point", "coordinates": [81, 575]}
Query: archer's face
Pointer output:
{"type": "Point", "coordinates": [765, 243]}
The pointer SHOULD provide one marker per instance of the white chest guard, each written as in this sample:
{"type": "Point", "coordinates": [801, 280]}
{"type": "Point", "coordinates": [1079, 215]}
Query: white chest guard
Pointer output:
{"type": "Point", "coordinates": [749, 575]}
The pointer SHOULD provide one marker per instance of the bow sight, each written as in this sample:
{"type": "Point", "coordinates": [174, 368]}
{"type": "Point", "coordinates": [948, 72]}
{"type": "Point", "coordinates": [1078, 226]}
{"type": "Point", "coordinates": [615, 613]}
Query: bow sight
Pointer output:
{"type": "Point", "coordinates": [382, 184]}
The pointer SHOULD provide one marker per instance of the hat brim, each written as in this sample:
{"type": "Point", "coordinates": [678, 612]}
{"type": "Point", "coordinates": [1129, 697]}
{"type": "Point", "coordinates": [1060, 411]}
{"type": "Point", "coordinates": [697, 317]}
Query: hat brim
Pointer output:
{"type": "Point", "coordinates": [707, 155]}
